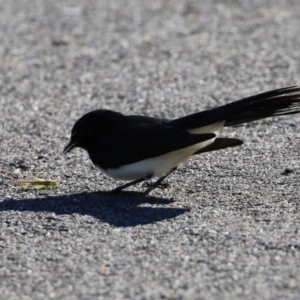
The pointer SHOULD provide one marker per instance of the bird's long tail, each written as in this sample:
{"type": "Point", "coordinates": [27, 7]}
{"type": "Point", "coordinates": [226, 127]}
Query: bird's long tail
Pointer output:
{"type": "Point", "coordinates": [284, 101]}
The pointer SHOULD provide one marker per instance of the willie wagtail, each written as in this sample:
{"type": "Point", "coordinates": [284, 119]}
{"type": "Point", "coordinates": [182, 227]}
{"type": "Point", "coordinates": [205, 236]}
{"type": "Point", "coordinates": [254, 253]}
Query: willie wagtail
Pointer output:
{"type": "Point", "coordinates": [137, 148]}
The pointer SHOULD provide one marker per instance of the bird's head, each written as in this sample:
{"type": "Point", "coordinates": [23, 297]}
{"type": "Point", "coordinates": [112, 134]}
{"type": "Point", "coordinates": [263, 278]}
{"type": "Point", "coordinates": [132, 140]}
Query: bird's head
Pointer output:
{"type": "Point", "coordinates": [90, 128]}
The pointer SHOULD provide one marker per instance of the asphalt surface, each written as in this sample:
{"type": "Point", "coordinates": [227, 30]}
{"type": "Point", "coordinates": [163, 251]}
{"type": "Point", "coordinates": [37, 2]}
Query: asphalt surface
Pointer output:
{"type": "Point", "coordinates": [228, 225]}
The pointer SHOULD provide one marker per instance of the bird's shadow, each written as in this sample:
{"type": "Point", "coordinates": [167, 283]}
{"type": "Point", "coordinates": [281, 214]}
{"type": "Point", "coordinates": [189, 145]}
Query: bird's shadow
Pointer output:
{"type": "Point", "coordinates": [121, 210]}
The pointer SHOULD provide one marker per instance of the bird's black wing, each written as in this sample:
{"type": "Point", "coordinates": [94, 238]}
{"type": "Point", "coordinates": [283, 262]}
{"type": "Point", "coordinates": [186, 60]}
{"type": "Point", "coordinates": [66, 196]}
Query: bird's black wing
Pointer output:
{"type": "Point", "coordinates": [141, 141]}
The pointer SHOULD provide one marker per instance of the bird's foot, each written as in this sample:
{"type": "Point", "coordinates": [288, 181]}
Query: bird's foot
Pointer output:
{"type": "Point", "coordinates": [161, 185]}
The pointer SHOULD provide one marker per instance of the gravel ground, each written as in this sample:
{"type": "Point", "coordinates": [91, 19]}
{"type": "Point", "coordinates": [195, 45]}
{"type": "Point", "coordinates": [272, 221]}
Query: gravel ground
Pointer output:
{"type": "Point", "coordinates": [226, 228]}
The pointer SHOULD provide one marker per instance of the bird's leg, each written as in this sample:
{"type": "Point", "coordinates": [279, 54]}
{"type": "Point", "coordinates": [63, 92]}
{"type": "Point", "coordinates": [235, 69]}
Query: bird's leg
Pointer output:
{"type": "Point", "coordinates": [158, 182]}
{"type": "Point", "coordinates": [121, 187]}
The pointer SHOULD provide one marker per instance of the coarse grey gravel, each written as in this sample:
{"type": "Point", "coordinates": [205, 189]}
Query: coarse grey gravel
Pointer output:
{"type": "Point", "coordinates": [228, 225]}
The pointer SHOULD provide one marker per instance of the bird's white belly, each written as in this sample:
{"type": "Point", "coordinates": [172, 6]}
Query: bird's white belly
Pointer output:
{"type": "Point", "coordinates": [156, 166]}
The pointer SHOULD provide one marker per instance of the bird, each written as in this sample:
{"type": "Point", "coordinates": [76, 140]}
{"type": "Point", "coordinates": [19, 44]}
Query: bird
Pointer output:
{"type": "Point", "coordinates": [137, 148]}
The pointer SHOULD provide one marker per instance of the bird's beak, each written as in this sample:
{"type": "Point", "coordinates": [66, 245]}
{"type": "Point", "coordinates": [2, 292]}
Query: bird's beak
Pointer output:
{"type": "Point", "coordinates": [69, 147]}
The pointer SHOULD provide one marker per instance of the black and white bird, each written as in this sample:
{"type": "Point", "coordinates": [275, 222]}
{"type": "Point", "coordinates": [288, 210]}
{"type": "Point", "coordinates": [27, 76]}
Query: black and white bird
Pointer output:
{"type": "Point", "coordinates": [136, 148]}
